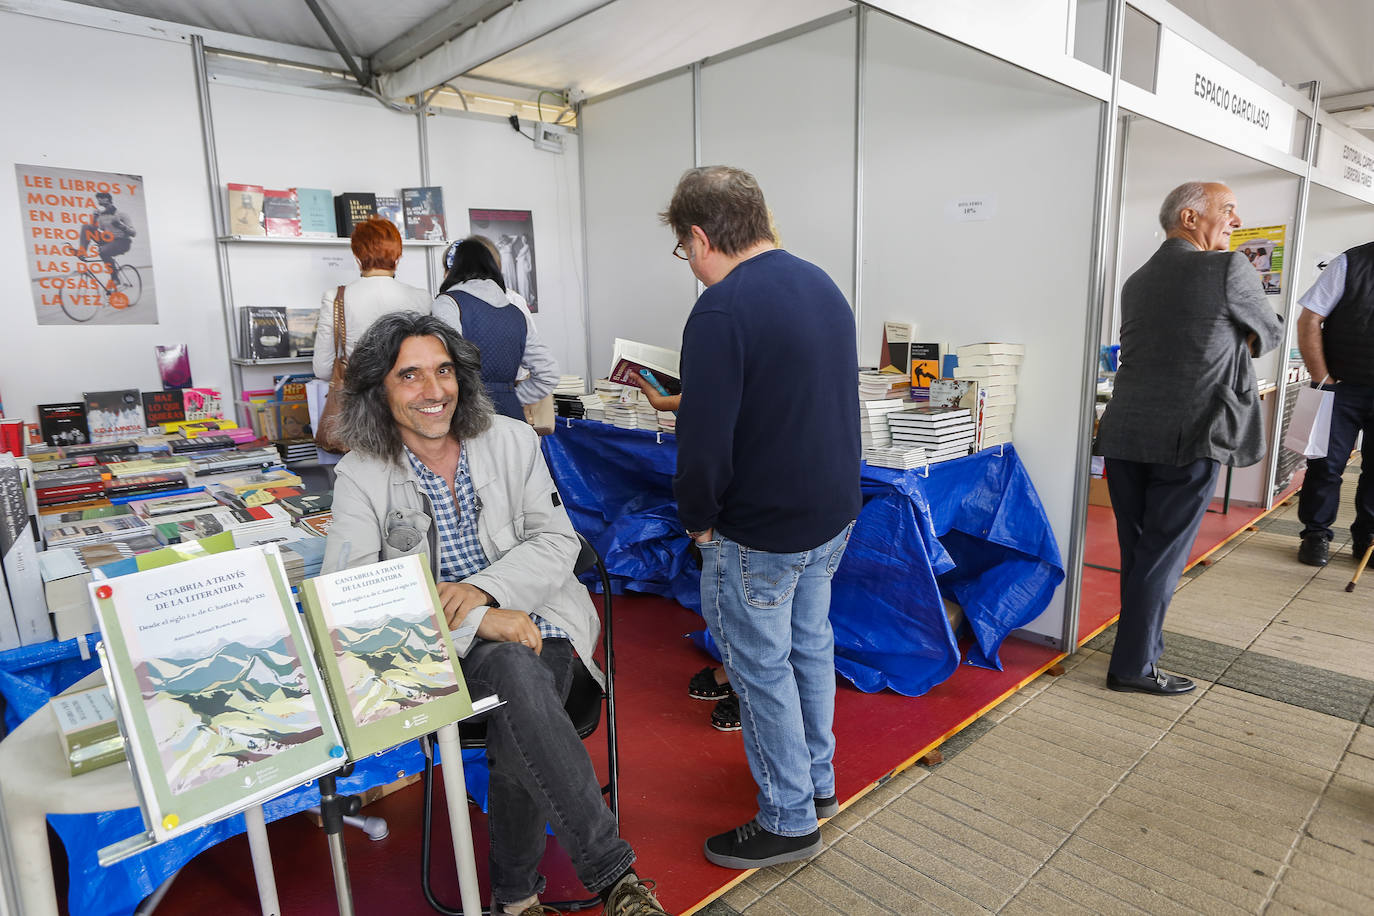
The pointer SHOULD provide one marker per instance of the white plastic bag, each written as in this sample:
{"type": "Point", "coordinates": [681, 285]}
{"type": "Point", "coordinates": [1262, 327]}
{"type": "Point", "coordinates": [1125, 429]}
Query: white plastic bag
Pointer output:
{"type": "Point", "coordinates": [1309, 429]}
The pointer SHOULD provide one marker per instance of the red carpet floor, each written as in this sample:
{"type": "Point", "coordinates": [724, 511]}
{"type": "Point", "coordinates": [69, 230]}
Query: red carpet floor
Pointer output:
{"type": "Point", "coordinates": [681, 780]}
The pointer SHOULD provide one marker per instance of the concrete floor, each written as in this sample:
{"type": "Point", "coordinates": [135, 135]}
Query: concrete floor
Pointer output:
{"type": "Point", "coordinates": [1252, 794]}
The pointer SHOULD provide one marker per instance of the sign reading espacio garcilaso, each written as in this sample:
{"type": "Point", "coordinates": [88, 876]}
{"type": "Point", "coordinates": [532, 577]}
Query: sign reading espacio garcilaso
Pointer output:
{"type": "Point", "coordinates": [1200, 88]}
{"type": "Point", "coordinates": [1227, 100]}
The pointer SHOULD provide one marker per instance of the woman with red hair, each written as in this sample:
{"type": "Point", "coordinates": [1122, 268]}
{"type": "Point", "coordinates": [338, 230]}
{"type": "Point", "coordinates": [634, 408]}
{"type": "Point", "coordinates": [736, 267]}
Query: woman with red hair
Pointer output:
{"type": "Point", "coordinates": [376, 245]}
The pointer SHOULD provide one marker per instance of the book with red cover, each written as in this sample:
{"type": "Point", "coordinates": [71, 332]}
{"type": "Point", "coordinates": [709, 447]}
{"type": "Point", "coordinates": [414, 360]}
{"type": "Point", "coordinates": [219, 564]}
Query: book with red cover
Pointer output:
{"type": "Point", "coordinates": [281, 213]}
{"type": "Point", "coordinates": [174, 365]}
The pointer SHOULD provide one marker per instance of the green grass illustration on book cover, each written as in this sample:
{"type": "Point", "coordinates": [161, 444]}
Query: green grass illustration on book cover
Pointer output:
{"type": "Point", "coordinates": [217, 689]}
{"type": "Point", "coordinates": [384, 648]}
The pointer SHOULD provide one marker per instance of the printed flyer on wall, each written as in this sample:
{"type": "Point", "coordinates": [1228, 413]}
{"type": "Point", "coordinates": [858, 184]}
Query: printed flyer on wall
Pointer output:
{"type": "Point", "coordinates": [1263, 248]}
{"type": "Point", "coordinates": [513, 233]}
{"type": "Point", "coordinates": [86, 242]}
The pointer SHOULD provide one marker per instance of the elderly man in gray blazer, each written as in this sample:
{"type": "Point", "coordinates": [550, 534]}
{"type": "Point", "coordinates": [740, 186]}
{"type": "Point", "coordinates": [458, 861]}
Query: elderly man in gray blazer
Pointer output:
{"type": "Point", "coordinates": [1185, 403]}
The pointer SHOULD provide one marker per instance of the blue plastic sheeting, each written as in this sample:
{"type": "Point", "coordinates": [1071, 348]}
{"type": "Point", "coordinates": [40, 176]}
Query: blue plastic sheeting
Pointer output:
{"type": "Point", "coordinates": [31, 676]}
{"type": "Point", "coordinates": [117, 889]}
{"type": "Point", "coordinates": [976, 523]}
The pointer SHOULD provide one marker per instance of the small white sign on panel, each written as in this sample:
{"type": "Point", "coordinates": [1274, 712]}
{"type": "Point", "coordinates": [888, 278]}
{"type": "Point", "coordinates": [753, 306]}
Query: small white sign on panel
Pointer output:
{"type": "Point", "coordinates": [1237, 106]}
{"type": "Point", "coordinates": [972, 207]}
{"type": "Point", "coordinates": [1346, 160]}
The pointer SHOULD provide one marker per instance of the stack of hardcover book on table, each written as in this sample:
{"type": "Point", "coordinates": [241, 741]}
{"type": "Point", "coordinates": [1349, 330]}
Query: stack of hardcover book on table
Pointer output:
{"type": "Point", "coordinates": [996, 368]}
{"type": "Point", "coordinates": [69, 485]}
{"type": "Point", "coordinates": [944, 432]}
{"type": "Point", "coordinates": [874, 431]}
{"type": "Point", "coordinates": [882, 386]}
{"type": "Point", "coordinates": [98, 530]}
{"type": "Point", "coordinates": [899, 457]}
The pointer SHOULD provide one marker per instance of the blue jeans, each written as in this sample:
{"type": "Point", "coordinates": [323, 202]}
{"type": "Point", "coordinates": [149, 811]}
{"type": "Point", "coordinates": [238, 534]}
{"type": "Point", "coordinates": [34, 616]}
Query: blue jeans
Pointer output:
{"type": "Point", "coordinates": [769, 614]}
{"type": "Point", "coordinates": [540, 771]}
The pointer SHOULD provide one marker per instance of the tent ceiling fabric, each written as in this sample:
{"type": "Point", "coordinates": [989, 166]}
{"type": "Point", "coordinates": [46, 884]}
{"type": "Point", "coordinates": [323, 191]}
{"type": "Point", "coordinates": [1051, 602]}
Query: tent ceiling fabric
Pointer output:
{"type": "Point", "coordinates": [1326, 40]}
{"type": "Point", "coordinates": [624, 41]}
{"type": "Point", "coordinates": [631, 40]}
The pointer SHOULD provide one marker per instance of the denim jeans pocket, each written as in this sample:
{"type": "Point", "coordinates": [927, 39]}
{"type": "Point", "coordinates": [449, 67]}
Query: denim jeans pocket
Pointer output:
{"type": "Point", "coordinates": [769, 578]}
{"type": "Point", "coordinates": [840, 542]}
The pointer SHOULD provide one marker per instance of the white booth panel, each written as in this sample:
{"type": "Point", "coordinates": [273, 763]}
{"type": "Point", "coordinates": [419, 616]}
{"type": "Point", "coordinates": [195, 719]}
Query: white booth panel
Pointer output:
{"type": "Point", "coordinates": [944, 124]}
{"type": "Point", "coordinates": [150, 127]}
{"type": "Point", "coordinates": [636, 145]}
{"type": "Point", "coordinates": [1335, 222]}
{"type": "Point", "coordinates": [482, 163]}
{"type": "Point", "coordinates": [805, 165]}
{"type": "Point", "coordinates": [312, 139]}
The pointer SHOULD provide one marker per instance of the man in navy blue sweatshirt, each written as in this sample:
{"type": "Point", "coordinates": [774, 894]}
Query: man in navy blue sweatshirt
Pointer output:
{"type": "Point", "coordinates": [767, 485]}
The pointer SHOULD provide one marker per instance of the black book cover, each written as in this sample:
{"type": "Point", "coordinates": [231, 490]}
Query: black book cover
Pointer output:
{"type": "Point", "coordinates": [64, 424]}
{"type": "Point", "coordinates": [264, 333]}
{"type": "Point", "coordinates": [114, 415]}
{"type": "Point", "coordinates": [161, 407]}
{"type": "Point", "coordinates": [352, 209]}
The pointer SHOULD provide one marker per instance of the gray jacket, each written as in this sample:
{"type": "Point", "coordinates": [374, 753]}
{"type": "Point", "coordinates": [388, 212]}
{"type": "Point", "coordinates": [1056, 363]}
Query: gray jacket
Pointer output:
{"type": "Point", "coordinates": [1186, 387]}
{"type": "Point", "coordinates": [381, 512]}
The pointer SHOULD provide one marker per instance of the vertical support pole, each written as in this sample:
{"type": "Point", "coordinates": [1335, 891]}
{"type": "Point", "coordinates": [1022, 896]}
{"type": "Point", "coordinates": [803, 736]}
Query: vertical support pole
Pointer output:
{"type": "Point", "coordinates": [226, 289]}
{"type": "Point", "coordinates": [860, 50]}
{"type": "Point", "coordinates": [1293, 257]}
{"type": "Point", "coordinates": [586, 254]}
{"type": "Point", "coordinates": [261, 854]}
{"type": "Point", "coordinates": [1092, 333]}
{"type": "Point", "coordinates": [422, 130]}
{"type": "Point", "coordinates": [696, 134]}
{"type": "Point", "coordinates": [456, 794]}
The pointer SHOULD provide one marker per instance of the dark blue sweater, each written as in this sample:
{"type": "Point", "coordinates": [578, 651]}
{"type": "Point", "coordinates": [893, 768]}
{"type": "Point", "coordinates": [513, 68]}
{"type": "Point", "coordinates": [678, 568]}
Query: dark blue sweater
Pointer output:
{"type": "Point", "coordinates": [768, 430]}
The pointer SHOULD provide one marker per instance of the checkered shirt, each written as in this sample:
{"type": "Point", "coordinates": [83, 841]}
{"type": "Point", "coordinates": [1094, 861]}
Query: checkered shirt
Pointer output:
{"type": "Point", "coordinates": [460, 552]}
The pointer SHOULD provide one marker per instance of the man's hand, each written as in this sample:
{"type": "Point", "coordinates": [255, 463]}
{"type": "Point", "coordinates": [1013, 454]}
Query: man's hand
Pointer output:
{"type": "Point", "coordinates": [701, 537]}
{"type": "Point", "coordinates": [503, 625]}
{"type": "Point", "coordinates": [458, 599]}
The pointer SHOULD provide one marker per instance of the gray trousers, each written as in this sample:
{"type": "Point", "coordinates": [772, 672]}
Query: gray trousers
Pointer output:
{"type": "Point", "coordinates": [1158, 510]}
{"type": "Point", "coordinates": [540, 771]}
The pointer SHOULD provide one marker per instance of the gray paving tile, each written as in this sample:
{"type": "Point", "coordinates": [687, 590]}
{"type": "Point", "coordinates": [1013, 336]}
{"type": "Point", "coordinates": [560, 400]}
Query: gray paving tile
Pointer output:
{"type": "Point", "coordinates": [718, 908]}
{"type": "Point", "coordinates": [1036, 900]}
{"type": "Point", "coordinates": [1300, 685]}
{"type": "Point", "coordinates": [1116, 881]}
{"type": "Point", "coordinates": [901, 874]}
{"type": "Point", "coordinates": [963, 739]}
{"type": "Point", "coordinates": [1165, 881]}
{"type": "Point", "coordinates": [1199, 659]}
{"type": "Point", "coordinates": [934, 859]}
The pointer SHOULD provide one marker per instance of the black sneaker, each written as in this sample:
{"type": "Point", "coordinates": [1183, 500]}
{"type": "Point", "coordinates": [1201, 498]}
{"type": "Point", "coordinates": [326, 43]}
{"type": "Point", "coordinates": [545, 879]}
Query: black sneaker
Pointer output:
{"type": "Point", "coordinates": [751, 846]}
{"type": "Point", "coordinates": [1314, 551]}
{"type": "Point", "coordinates": [827, 806]}
{"type": "Point", "coordinates": [703, 686]}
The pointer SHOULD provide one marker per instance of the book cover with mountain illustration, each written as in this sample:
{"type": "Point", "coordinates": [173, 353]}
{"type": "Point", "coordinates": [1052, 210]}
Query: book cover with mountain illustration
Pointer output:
{"type": "Point", "coordinates": [216, 685]}
{"type": "Point", "coordinates": [384, 648]}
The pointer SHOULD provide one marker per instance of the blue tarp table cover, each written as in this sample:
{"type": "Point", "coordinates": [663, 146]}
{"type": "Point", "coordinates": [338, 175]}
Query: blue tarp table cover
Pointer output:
{"type": "Point", "coordinates": [973, 530]}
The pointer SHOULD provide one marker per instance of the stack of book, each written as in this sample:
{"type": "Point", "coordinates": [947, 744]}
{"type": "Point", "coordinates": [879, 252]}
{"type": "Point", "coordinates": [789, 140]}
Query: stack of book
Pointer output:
{"type": "Point", "coordinates": [99, 530]}
{"type": "Point", "coordinates": [69, 486]}
{"type": "Point", "coordinates": [900, 457]}
{"type": "Point", "coordinates": [242, 522]}
{"type": "Point", "coordinates": [996, 367]}
{"type": "Point", "coordinates": [306, 505]}
{"type": "Point", "coordinates": [568, 396]}
{"type": "Point", "coordinates": [874, 431]}
{"type": "Point", "coordinates": [944, 432]}
{"type": "Point", "coordinates": [571, 385]}
{"type": "Point", "coordinates": [882, 386]}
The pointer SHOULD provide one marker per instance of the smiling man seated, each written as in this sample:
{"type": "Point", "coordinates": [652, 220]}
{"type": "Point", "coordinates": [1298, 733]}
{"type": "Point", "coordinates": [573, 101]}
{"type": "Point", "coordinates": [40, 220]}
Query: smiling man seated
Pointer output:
{"type": "Point", "coordinates": [434, 470]}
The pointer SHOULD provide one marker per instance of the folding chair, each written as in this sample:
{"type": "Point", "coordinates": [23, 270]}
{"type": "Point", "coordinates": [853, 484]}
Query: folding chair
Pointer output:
{"type": "Point", "coordinates": [584, 709]}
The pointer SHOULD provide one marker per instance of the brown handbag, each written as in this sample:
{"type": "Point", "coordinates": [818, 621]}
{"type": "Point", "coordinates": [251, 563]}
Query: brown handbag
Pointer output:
{"type": "Point", "coordinates": [326, 437]}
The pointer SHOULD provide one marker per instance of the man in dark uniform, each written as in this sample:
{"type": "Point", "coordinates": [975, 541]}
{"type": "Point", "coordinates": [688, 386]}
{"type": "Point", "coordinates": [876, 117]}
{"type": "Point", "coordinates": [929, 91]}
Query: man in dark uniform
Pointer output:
{"type": "Point", "coordinates": [1185, 402]}
{"type": "Point", "coordinates": [1336, 337]}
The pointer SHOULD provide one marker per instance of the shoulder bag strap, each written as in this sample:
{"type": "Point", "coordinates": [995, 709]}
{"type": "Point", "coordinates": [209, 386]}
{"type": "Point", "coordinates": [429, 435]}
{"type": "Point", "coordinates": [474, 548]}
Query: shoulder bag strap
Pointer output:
{"type": "Point", "coordinates": [340, 332]}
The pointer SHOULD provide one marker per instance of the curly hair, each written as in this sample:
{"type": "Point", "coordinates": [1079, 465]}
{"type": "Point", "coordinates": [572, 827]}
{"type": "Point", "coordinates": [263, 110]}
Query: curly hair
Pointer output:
{"type": "Point", "coordinates": [365, 420]}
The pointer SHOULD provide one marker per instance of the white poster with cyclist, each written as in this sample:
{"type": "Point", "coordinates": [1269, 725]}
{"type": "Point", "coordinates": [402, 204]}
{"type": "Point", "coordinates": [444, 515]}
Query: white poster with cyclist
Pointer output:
{"type": "Point", "coordinates": [86, 238]}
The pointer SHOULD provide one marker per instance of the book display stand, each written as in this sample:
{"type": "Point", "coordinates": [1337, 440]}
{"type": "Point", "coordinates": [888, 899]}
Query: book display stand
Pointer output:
{"type": "Point", "coordinates": [222, 706]}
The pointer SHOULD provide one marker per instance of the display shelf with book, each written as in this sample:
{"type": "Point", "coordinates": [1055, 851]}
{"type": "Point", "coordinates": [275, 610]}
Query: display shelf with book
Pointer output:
{"type": "Point", "coordinates": [272, 361]}
{"type": "Point", "coordinates": [305, 240]}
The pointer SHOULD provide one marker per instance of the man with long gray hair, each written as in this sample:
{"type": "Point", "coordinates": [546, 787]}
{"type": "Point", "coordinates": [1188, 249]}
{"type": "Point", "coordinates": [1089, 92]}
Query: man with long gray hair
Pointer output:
{"type": "Point", "coordinates": [433, 470]}
{"type": "Point", "coordinates": [1185, 402]}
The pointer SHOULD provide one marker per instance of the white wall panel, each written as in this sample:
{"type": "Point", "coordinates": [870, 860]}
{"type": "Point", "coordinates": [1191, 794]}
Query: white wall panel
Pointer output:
{"type": "Point", "coordinates": [942, 123]}
{"type": "Point", "coordinates": [785, 113]}
{"type": "Point", "coordinates": [1335, 222]}
{"type": "Point", "coordinates": [485, 164]}
{"type": "Point", "coordinates": [58, 113]}
{"type": "Point", "coordinates": [636, 145]}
